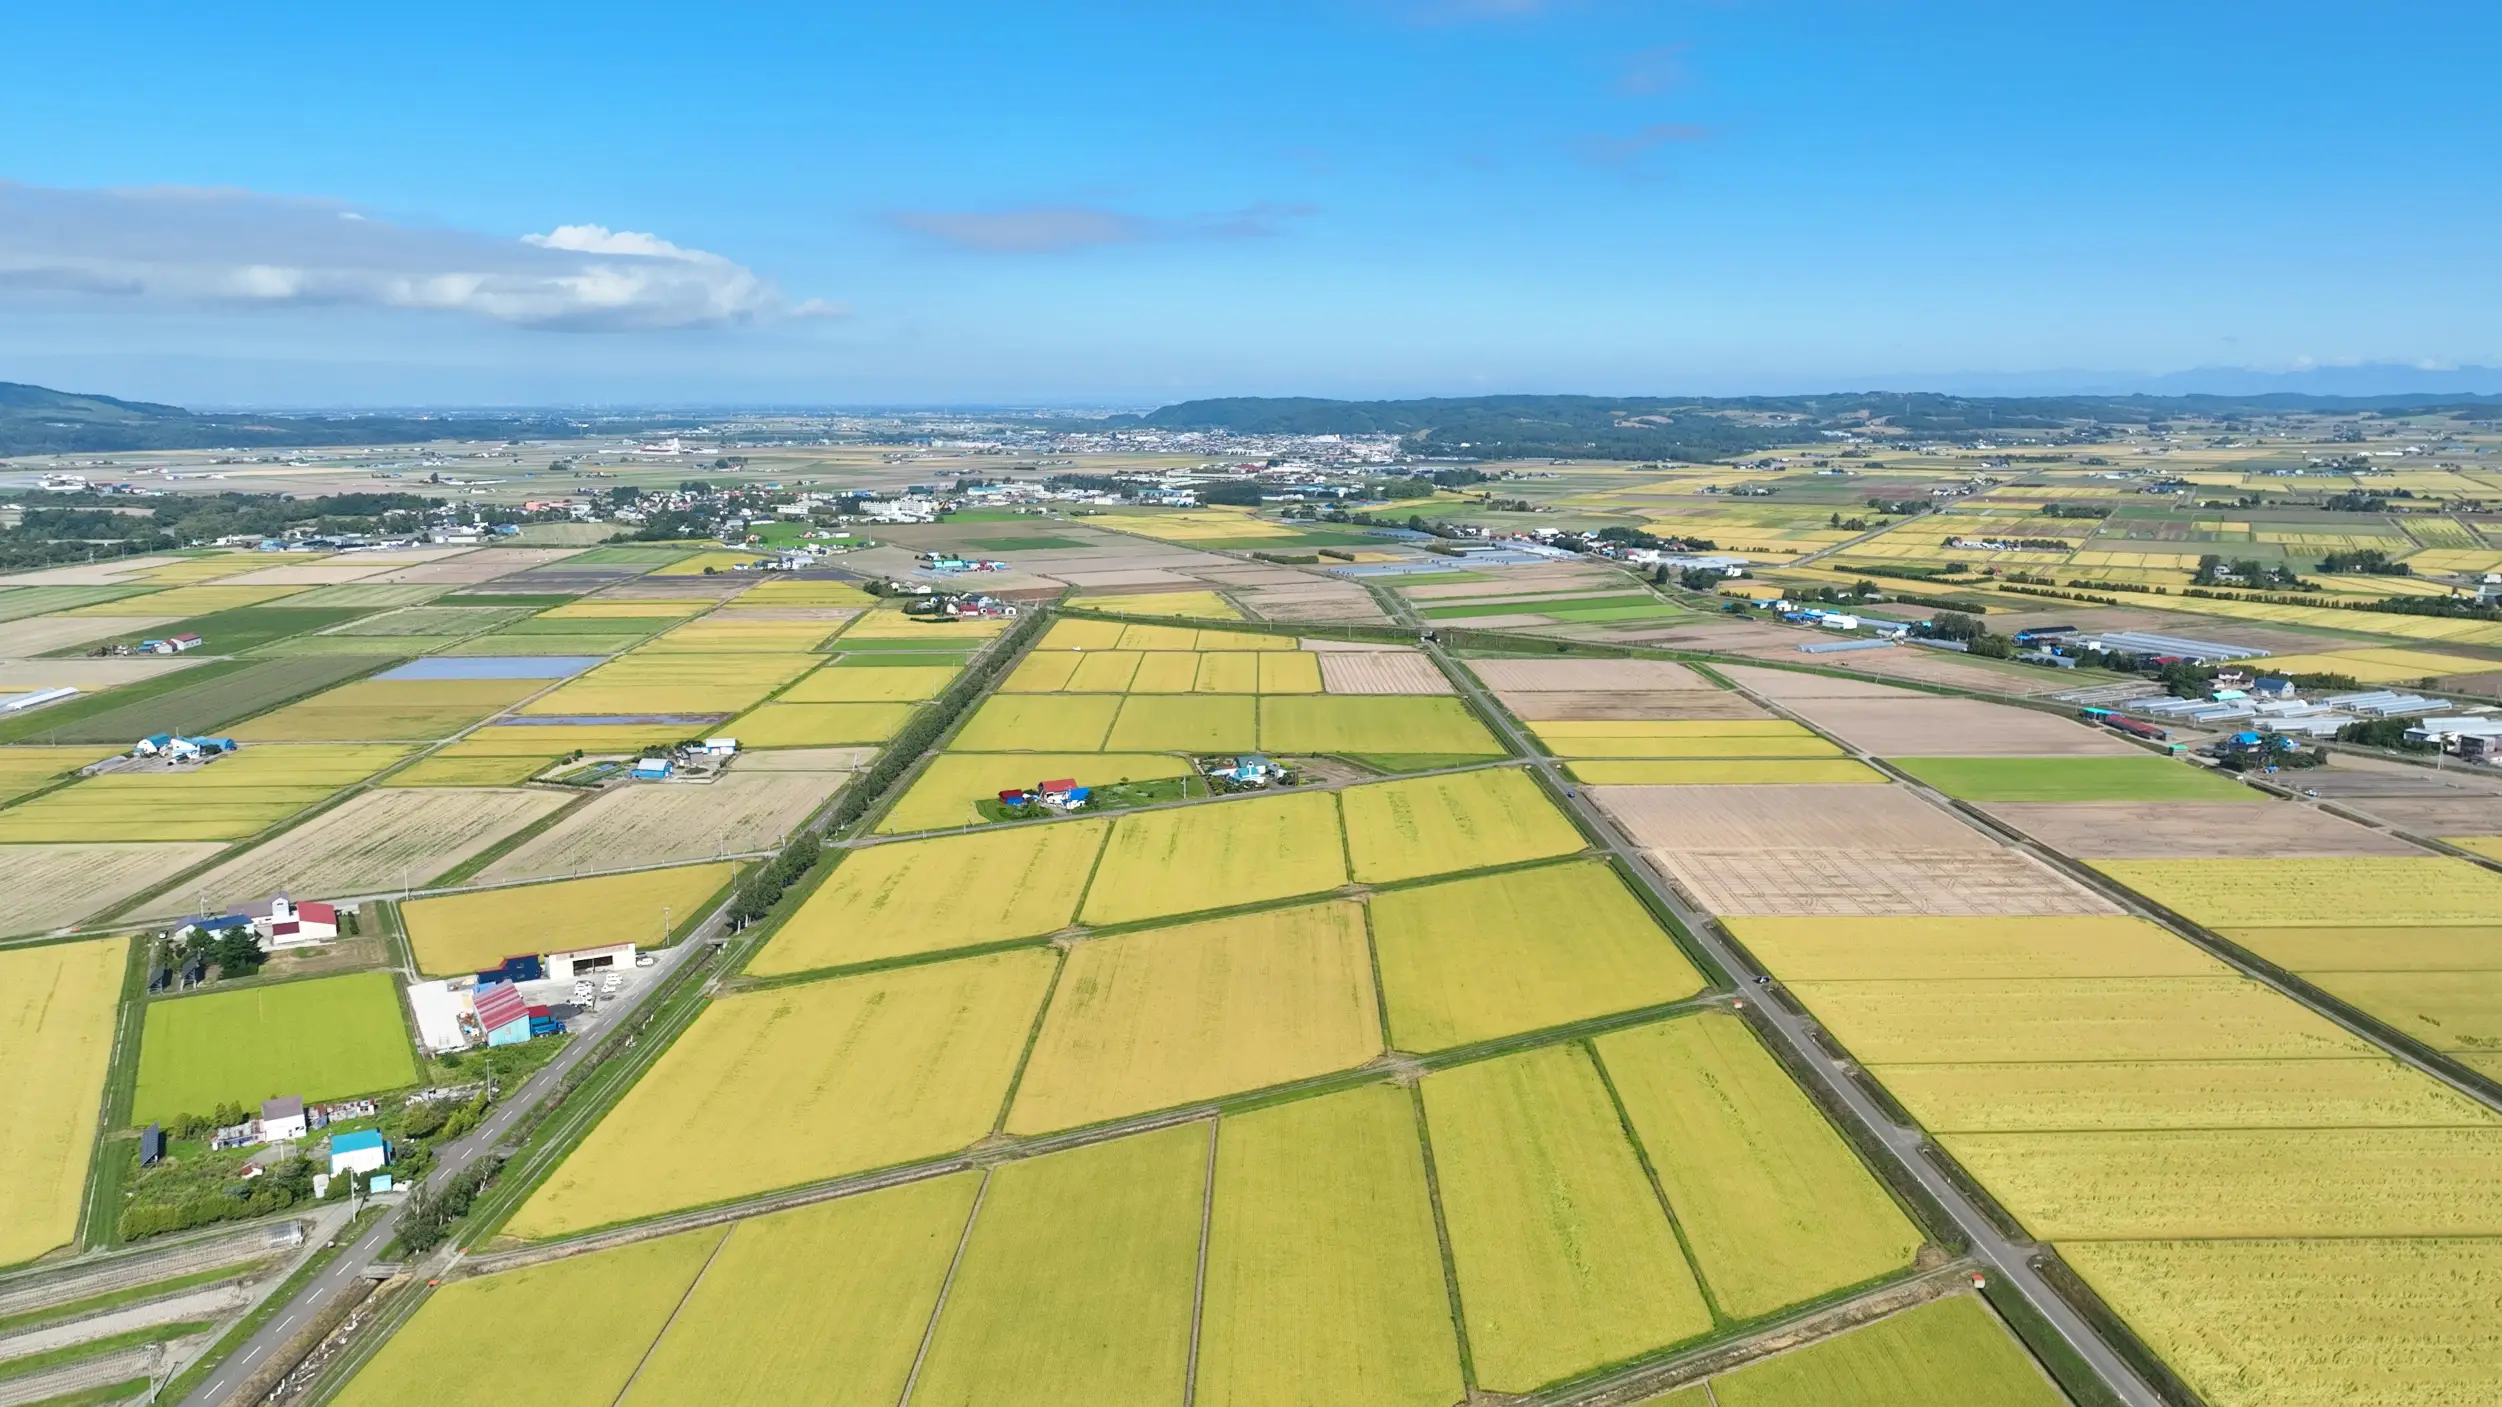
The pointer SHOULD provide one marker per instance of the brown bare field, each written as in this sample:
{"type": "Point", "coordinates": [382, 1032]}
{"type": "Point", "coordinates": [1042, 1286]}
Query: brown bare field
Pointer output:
{"type": "Point", "coordinates": [2431, 815]}
{"type": "Point", "coordinates": [54, 885]}
{"type": "Point", "coordinates": [804, 759]}
{"type": "Point", "coordinates": [39, 634]}
{"type": "Point", "coordinates": [1368, 673]}
{"type": "Point", "coordinates": [1784, 818]}
{"type": "Point", "coordinates": [1956, 671]}
{"type": "Point", "coordinates": [1842, 883]}
{"type": "Point", "coordinates": [1784, 685]}
{"type": "Point", "coordinates": [1598, 676]}
{"type": "Point", "coordinates": [2165, 830]}
{"type": "Point", "coordinates": [657, 823]}
{"type": "Point", "coordinates": [1561, 705]}
{"type": "Point", "coordinates": [1325, 602]}
{"type": "Point", "coordinates": [373, 844]}
{"type": "Point", "coordinates": [1930, 727]}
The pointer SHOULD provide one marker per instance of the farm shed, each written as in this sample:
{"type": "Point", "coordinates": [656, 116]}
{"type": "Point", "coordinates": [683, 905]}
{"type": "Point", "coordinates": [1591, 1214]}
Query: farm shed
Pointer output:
{"type": "Point", "coordinates": [502, 1013]}
{"type": "Point", "coordinates": [282, 1119]}
{"type": "Point", "coordinates": [583, 961]}
{"type": "Point", "coordinates": [440, 1008]}
{"type": "Point", "coordinates": [363, 1152]}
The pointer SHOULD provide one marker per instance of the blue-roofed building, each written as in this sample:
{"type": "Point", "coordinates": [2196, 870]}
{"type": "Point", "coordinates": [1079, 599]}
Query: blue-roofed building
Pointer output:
{"type": "Point", "coordinates": [365, 1151]}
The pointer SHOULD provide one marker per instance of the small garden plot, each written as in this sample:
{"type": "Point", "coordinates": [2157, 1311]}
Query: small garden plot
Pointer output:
{"type": "Point", "coordinates": [2169, 830]}
{"type": "Point", "coordinates": [200, 699]}
{"type": "Point", "coordinates": [952, 786]}
{"type": "Point", "coordinates": [1163, 1017]}
{"type": "Point", "coordinates": [386, 839]}
{"type": "Point", "coordinates": [1879, 949]}
{"type": "Point", "coordinates": [322, 1039]}
{"type": "Point", "coordinates": [1038, 723]}
{"type": "Point", "coordinates": [1384, 672]}
{"type": "Point", "coordinates": [1474, 959]}
{"type": "Point", "coordinates": [1324, 1281]}
{"type": "Point", "coordinates": [1785, 818]}
{"type": "Point", "coordinates": [1565, 1260]}
{"type": "Point", "coordinates": [2140, 778]}
{"type": "Point", "coordinates": [1185, 723]}
{"type": "Point", "coordinates": [2327, 1323]}
{"type": "Point", "coordinates": [468, 932]}
{"type": "Point", "coordinates": [825, 1304]}
{"type": "Point", "coordinates": [780, 724]}
{"type": "Point", "coordinates": [1204, 605]}
{"type": "Point", "coordinates": [906, 685]}
{"type": "Point", "coordinates": [1075, 1284]}
{"type": "Point", "coordinates": [1775, 1207]}
{"type": "Point", "coordinates": [1951, 1350]}
{"type": "Point", "coordinates": [1460, 821]}
{"type": "Point", "coordinates": [1843, 883]}
{"type": "Point", "coordinates": [860, 1072]}
{"type": "Point", "coordinates": [57, 1003]}
{"type": "Point", "coordinates": [1161, 863]}
{"type": "Point", "coordinates": [2133, 1018]}
{"type": "Point", "coordinates": [1733, 772]}
{"type": "Point", "coordinates": [926, 896]}
{"type": "Point", "coordinates": [1376, 725]}
{"type": "Point", "coordinates": [377, 710]}
{"type": "Point", "coordinates": [2146, 1185]}
{"type": "Point", "coordinates": [1603, 676]}
{"type": "Point", "coordinates": [2317, 893]}
{"type": "Point", "coordinates": [577, 1327]}
{"type": "Point", "coordinates": [671, 823]}
{"type": "Point", "coordinates": [51, 886]}
{"type": "Point", "coordinates": [2364, 1092]}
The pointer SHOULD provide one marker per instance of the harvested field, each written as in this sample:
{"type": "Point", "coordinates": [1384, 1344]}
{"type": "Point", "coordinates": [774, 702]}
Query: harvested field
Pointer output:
{"type": "Point", "coordinates": [20, 639]}
{"type": "Point", "coordinates": [1799, 744]}
{"type": "Point", "coordinates": [950, 785]}
{"type": "Point", "coordinates": [51, 886]}
{"type": "Point", "coordinates": [2317, 893]}
{"type": "Point", "coordinates": [926, 896]}
{"type": "Point", "coordinates": [1952, 1350]}
{"type": "Point", "coordinates": [664, 823]}
{"type": "Point", "coordinates": [1933, 727]}
{"type": "Point", "coordinates": [777, 724]}
{"type": "Point", "coordinates": [1075, 1285]}
{"type": "Point", "coordinates": [372, 844]}
{"type": "Point", "coordinates": [57, 1005]}
{"type": "Point", "coordinates": [863, 1072]}
{"type": "Point", "coordinates": [1166, 1016]}
{"type": "Point", "coordinates": [1324, 1282]}
{"type": "Point", "coordinates": [1161, 863]}
{"type": "Point", "coordinates": [1186, 723]}
{"type": "Point", "coordinates": [1375, 724]}
{"type": "Point", "coordinates": [1473, 959]}
{"type": "Point", "coordinates": [1789, 686]}
{"type": "Point", "coordinates": [1038, 723]}
{"type": "Point", "coordinates": [1545, 705]}
{"type": "Point", "coordinates": [2427, 948]}
{"type": "Point", "coordinates": [226, 799]}
{"type": "Point", "coordinates": [93, 676]}
{"type": "Point", "coordinates": [1775, 1206]}
{"type": "Point", "coordinates": [376, 710]}
{"type": "Point", "coordinates": [1565, 1260]}
{"type": "Point", "coordinates": [1719, 772]}
{"type": "Point", "coordinates": [1784, 818]}
{"type": "Point", "coordinates": [2433, 815]}
{"type": "Point", "coordinates": [2140, 778]}
{"type": "Point", "coordinates": [2131, 830]}
{"type": "Point", "coordinates": [2138, 1018]}
{"type": "Point", "coordinates": [459, 933]}
{"type": "Point", "coordinates": [323, 1039]}
{"type": "Point", "coordinates": [1381, 673]}
{"type": "Point", "coordinates": [1877, 949]}
{"type": "Point", "coordinates": [1459, 821]}
{"type": "Point", "coordinates": [2363, 1092]}
{"type": "Point", "coordinates": [1586, 676]}
{"type": "Point", "coordinates": [1838, 883]}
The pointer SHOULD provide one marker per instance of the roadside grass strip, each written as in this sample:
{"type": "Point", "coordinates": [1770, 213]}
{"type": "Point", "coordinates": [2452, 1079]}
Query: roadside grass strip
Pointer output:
{"type": "Point", "coordinates": [460, 933]}
{"type": "Point", "coordinates": [574, 1328]}
{"type": "Point", "coordinates": [1038, 723]}
{"type": "Point", "coordinates": [860, 1072]}
{"type": "Point", "coordinates": [779, 724]}
{"type": "Point", "coordinates": [926, 896]}
{"type": "Point", "coordinates": [2147, 778]}
{"type": "Point", "coordinates": [1186, 723]}
{"type": "Point", "coordinates": [952, 784]}
{"type": "Point", "coordinates": [1372, 723]}
{"type": "Point", "coordinates": [1461, 821]}
{"type": "Point", "coordinates": [57, 1004]}
{"type": "Point", "coordinates": [1473, 959]}
{"type": "Point", "coordinates": [1075, 1287]}
{"type": "Point", "coordinates": [909, 684]}
{"type": "Point", "coordinates": [1162, 1017]}
{"type": "Point", "coordinates": [1813, 771]}
{"type": "Point", "coordinates": [1776, 1208]}
{"type": "Point", "coordinates": [2319, 892]}
{"type": "Point", "coordinates": [823, 1304]}
{"type": "Point", "coordinates": [1324, 1279]}
{"type": "Point", "coordinates": [1176, 861]}
{"type": "Point", "coordinates": [1566, 1261]}
{"type": "Point", "coordinates": [324, 1038]}
{"type": "Point", "coordinates": [1953, 1350]}
{"type": "Point", "coordinates": [389, 710]}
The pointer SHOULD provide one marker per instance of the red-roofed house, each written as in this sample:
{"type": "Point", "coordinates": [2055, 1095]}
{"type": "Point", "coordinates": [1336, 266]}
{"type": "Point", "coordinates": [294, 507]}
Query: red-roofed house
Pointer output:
{"type": "Point", "coordinates": [502, 1013]}
{"type": "Point", "coordinates": [286, 923]}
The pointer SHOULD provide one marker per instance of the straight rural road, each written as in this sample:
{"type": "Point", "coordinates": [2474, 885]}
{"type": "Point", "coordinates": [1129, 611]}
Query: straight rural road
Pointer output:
{"type": "Point", "coordinates": [2007, 1259]}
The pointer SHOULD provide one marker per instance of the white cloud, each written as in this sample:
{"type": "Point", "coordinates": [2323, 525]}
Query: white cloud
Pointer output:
{"type": "Point", "coordinates": [183, 246]}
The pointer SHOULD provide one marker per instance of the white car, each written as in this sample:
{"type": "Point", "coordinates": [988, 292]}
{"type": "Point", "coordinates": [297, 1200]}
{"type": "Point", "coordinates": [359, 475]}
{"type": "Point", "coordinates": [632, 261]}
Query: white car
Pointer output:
{"type": "Point", "coordinates": [610, 983]}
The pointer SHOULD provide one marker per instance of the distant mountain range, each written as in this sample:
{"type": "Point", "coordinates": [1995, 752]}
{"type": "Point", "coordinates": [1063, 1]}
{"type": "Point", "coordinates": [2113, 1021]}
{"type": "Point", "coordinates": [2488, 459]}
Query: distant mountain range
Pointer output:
{"type": "Point", "coordinates": [34, 420]}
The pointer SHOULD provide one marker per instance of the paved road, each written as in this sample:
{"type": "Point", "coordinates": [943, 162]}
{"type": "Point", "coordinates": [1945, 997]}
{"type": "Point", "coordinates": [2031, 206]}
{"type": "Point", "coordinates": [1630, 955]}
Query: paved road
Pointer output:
{"type": "Point", "coordinates": [2007, 1259]}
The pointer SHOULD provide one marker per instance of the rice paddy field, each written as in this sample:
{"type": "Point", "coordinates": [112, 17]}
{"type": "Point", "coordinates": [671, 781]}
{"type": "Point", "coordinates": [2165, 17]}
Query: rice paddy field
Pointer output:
{"type": "Point", "coordinates": [2138, 778]}
{"type": "Point", "coordinates": [1166, 862]}
{"type": "Point", "coordinates": [51, 886]}
{"type": "Point", "coordinates": [226, 799]}
{"type": "Point", "coordinates": [467, 932]}
{"type": "Point", "coordinates": [57, 1004]}
{"type": "Point", "coordinates": [1460, 821]}
{"type": "Point", "coordinates": [926, 896]}
{"type": "Point", "coordinates": [322, 1038]}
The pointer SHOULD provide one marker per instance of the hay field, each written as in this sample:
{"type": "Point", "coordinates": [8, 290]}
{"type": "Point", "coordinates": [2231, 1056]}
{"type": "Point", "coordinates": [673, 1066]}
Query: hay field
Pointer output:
{"type": "Point", "coordinates": [1472, 959]}
{"type": "Point", "coordinates": [1785, 818]}
{"type": "Point", "coordinates": [1387, 725]}
{"type": "Point", "coordinates": [372, 844]}
{"type": "Point", "coordinates": [1185, 723]}
{"type": "Point", "coordinates": [2166, 830]}
{"type": "Point", "coordinates": [2157, 1018]}
{"type": "Point", "coordinates": [51, 886]}
{"type": "Point", "coordinates": [1166, 1016]}
{"type": "Point", "coordinates": [1565, 1259]}
{"type": "Point", "coordinates": [926, 896]}
{"type": "Point", "coordinates": [321, 1038]}
{"type": "Point", "coordinates": [2362, 1092]}
{"type": "Point", "coordinates": [458, 933]}
{"type": "Point", "coordinates": [1953, 1350]}
{"type": "Point", "coordinates": [950, 784]}
{"type": "Point", "coordinates": [1324, 1280]}
{"type": "Point", "coordinates": [376, 710]}
{"type": "Point", "coordinates": [1215, 856]}
{"type": "Point", "coordinates": [2141, 778]}
{"type": "Point", "coordinates": [1876, 882]}
{"type": "Point", "coordinates": [1579, 676]}
{"type": "Point", "coordinates": [1075, 1286]}
{"type": "Point", "coordinates": [778, 724]}
{"type": "Point", "coordinates": [860, 1072]}
{"type": "Point", "coordinates": [57, 1006]}
{"type": "Point", "coordinates": [1775, 1206]}
{"type": "Point", "coordinates": [2337, 1323]}
{"type": "Point", "coordinates": [1037, 723]}
{"type": "Point", "coordinates": [584, 1322]}
{"type": "Point", "coordinates": [1746, 772]}
{"type": "Point", "coordinates": [1457, 821]}
{"type": "Point", "coordinates": [1906, 948]}
{"type": "Point", "coordinates": [903, 684]}
{"type": "Point", "coordinates": [652, 681]}
{"type": "Point", "coordinates": [1381, 672]}
{"type": "Point", "coordinates": [1939, 727]}
{"type": "Point", "coordinates": [2317, 893]}
{"type": "Point", "coordinates": [660, 823]}
{"type": "Point", "coordinates": [824, 1303]}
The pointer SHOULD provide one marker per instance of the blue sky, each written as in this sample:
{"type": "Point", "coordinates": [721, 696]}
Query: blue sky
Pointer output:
{"type": "Point", "coordinates": [1132, 203]}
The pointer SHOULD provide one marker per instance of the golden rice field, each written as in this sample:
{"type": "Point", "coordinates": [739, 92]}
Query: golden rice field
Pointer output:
{"type": "Point", "coordinates": [884, 624]}
{"type": "Point", "coordinates": [471, 770]}
{"type": "Point", "coordinates": [2043, 1097]}
{"type": "Point", "coordinates": [377, 710]}
{"type": "Point", "coordinates": [1693, 747]}
{"type": "Point", "coordinates": [614, 609]}
{"type": "Point", "coordinates": [779, 724]}
{"type": "Point", "coordinates": [27, 769]}
{"type": "Point", "coordinates": [232, 797]}
{"type": "Point", "coordinates": [1879, 948]}
{"type": "Point", "coordinates": [860, 1072]}
{"type": "Point", "coordinates": [1476, 958]}
{"type": "Point", "coordinates": [951, 784]}
{"type": "Point", "coordinates": [926, 896]}
{"type": "Point", "coordinates": [898, 684]}
{"type": "Point", "coordinates": [516, 739]}
{"type": "Point", "coordinates": [1953, 1350]}
{"type": "Point", "coordinates": [1038, 723]}
{"type": "Point", "coordinates": [1220, 855]}
{"type": "Point", "coordinates": [1456, 821]}
{"type": "Point", "coordinates": [2318, 892]}
{"type": "Point", "coordinates": [731, 632]}
{"type": "Point", "coordinates": [805, 593]}
{"type": "Point", "coordinates": [2489, 846]}
{"type": "Point", "coordinates": [2152, 1018]}
{"type": "Point", "coordinates": [469, 932]}
{"type": "Point", "coordinates": [1162, 1017]}
{"type": "Point", "coordinates": [1564, 732]}
{"type": "Point", "coordinates": [1185, 723]}
{"type": "Point", "coordinates": [655, 681]}
{"type": "Point", "coordinates": [1737, 772]}
{"type": "Point", "coordinates": [57, 1002]}
{"type": "Point", "coordinates": [2368, 948]}
{"type": "Point", "coordinates": [1204, 605]}
{"type": "Point", "coordinates": [1193, 524]}
{"type": "Point", "coordinates": [183, 601]}
{"type": "Point", "coordinates": [1386, 724]}
{"type": "Point", "coordinates": [1074, 634]}
{"type": "Point", "coordinates": [2378, 666]}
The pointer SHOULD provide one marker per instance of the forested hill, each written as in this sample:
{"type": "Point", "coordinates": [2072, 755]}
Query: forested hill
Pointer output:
{"type": "Point", "coordinates": [1698, 427]}
{"type": "Point", "coordinates": [34, 420]}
